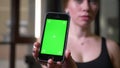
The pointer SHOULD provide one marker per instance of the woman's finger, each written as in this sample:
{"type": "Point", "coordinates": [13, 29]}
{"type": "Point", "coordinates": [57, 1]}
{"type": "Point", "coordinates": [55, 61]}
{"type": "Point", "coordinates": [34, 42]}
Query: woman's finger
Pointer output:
{"type": "Point", "coordinates": [51, 63]}
{"type": "Point", "coordinates": [69, 62]}
{"type": "Point", "coordinates": [35, 53]}
{"type": "Point", "coordinates": [36, 44]}
{"type": "Point", "coordinates": [59, 65]}
{"type": "Point", "coordinates": [35, 50]}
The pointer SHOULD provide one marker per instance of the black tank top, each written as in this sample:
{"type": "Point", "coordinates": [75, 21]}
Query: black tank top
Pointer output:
{"type": "Point", "coordinates": [103, 61]}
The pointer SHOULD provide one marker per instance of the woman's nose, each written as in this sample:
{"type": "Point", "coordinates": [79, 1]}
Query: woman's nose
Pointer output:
{"type": "Point", "coordinates": [85, 6]}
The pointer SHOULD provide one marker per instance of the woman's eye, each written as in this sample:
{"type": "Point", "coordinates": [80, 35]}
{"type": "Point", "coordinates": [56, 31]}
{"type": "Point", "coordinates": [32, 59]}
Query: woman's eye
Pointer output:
{"type": "Point", "coordinates": [93, 1]}
{"type": "Point", "coordinates": [90, 1]}
{"type": "Point", "coordinates": [79, 1]}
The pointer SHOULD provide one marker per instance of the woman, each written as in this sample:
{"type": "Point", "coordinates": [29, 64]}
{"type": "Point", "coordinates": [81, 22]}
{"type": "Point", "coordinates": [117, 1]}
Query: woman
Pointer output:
{"type": "Point", "coordinates": [84, 49]}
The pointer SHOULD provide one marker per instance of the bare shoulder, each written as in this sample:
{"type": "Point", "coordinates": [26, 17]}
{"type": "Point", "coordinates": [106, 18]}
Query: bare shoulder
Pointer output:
{"type": "Point", "coordinates": [114, 52]}
{"type": "Point", "coordinates": [112, 46]}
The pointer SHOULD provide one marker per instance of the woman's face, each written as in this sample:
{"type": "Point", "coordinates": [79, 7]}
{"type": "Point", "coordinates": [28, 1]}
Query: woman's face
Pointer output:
{"type": "Point", "coordinates": [82, 12]}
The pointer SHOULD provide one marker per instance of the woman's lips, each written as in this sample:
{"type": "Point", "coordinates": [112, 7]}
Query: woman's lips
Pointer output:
{"type": "Point", "coordinates": [85, 17]}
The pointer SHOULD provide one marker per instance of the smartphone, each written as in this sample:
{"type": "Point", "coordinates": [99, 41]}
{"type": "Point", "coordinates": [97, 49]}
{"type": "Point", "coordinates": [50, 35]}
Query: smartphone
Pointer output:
{"type": "Point", "coordinates": [54, 37]}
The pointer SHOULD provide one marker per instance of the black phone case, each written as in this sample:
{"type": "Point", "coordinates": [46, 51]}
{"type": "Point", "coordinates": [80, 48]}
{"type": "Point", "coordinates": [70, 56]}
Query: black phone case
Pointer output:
{"type": "Point", "coordinates": [54, 15]}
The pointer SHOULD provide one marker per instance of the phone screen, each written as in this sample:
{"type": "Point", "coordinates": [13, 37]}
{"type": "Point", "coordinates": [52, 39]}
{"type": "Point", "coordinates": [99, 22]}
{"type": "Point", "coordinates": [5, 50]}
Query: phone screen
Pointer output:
{"type": "Point", "coordinates": [54, 37]}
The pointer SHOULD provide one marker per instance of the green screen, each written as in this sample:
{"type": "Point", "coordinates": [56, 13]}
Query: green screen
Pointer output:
{"type": "Point", "coordinates": [54, 36]}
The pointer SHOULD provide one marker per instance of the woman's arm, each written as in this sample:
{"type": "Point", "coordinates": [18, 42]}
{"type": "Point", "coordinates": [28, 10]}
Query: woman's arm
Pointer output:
{"type": "Point", "coordinates": [114, 52]}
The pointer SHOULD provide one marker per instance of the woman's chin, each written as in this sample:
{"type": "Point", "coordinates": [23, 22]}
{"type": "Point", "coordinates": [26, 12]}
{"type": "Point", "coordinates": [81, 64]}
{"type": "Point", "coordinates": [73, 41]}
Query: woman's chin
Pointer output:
{"type": "Point", "coordinates": [83, 24]}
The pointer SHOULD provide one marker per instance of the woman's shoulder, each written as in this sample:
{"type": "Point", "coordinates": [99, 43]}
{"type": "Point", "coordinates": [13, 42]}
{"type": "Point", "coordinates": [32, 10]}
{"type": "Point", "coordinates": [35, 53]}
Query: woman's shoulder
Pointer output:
{"type": "Point", "coordinates": [114, 52]}
{"type": "Point", "coordinates": [112, 45]}
{"type": "Point", "coordinates": [109, 42]}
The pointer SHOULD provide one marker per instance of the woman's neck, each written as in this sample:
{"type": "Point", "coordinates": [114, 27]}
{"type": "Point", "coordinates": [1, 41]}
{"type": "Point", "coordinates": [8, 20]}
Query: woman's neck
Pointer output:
{"type": "Point", "coordinates": [79, 32]}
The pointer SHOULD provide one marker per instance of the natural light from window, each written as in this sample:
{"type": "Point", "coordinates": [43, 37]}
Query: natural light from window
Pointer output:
{"type": "Point", "coordinates": [37, 18]}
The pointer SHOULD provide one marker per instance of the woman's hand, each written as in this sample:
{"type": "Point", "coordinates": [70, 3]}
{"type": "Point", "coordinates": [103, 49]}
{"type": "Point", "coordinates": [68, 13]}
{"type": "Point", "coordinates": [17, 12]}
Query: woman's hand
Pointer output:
{"type": "Point", "coordinates": [68, 63]}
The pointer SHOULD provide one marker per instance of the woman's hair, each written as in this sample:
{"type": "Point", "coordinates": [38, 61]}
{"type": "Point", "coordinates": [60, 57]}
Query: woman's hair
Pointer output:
{"type": "Point", "coordinates": [64, 3]}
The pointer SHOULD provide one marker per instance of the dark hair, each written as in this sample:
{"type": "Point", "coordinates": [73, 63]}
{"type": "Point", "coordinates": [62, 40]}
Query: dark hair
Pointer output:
{"type": "Point", "coordinates": [64, 3]}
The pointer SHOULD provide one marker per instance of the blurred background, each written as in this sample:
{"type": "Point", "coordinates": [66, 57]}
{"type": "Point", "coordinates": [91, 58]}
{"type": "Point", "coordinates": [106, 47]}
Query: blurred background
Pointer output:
{"type": "Point", "coordinates": [17, 28]}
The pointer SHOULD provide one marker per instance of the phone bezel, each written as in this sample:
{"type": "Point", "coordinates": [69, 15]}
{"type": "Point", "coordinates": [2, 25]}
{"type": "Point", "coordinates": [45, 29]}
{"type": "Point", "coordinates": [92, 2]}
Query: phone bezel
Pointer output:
{"type": "Point", "coordinates": [54, 15]}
